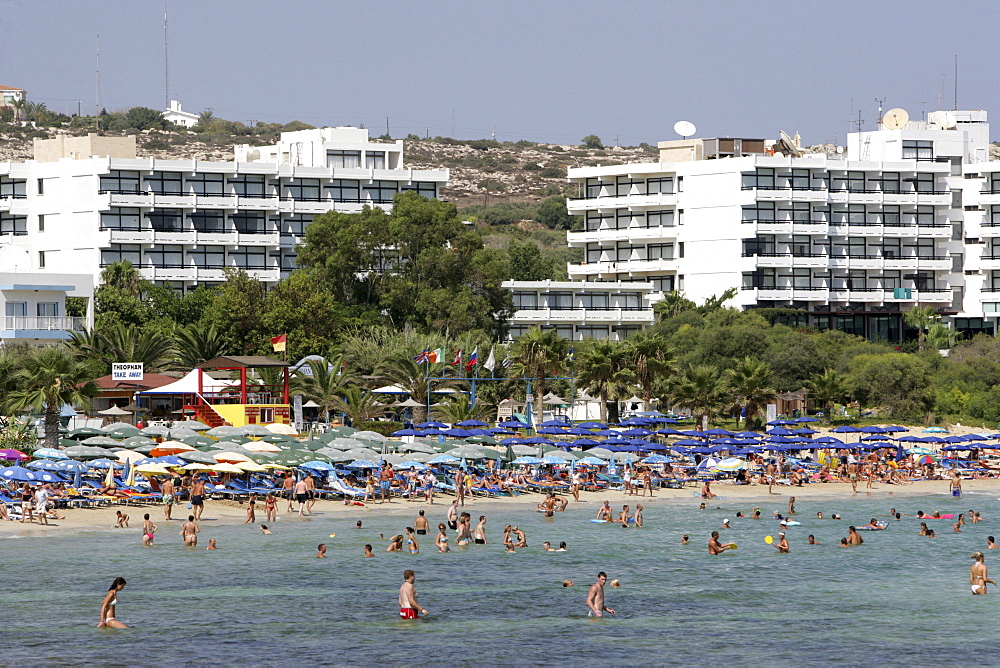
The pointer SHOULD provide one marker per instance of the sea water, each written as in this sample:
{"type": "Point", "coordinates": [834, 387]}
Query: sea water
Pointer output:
{"type": "Point", "coordinates": [266, 600]}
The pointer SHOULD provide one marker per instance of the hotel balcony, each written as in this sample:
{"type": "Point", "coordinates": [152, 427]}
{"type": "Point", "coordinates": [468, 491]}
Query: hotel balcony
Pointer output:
{"type": "Point", "coordinates": [624, 267]}
{"type": "Point", "coordinates": [546, 316]}
{"type": "Point", "coordinates": [270, 239]}
{"type": "Point", "coordinates": [55, 328]}
{"type": "Point", "coordinates": [627, 233]}
{"type": "Point", "coordinates": [623, 202]}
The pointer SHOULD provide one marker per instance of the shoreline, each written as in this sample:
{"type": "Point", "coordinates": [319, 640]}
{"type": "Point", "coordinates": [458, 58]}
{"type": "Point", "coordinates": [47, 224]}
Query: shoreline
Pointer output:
{"type": "Point", "coordinates": [230, 513]}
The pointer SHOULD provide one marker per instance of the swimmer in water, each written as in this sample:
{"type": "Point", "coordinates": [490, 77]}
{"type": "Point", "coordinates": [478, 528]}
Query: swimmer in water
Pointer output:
{"type": "Point", "coordinates": [684, 539]}
{"type": "Point", "coordinates": [212, 545]}
{"type": "Point", "coordinates": [109, 603]}
{"type": "Point", "coordinates": [715, 547]}
{"type": "Point", "coordinates": [819, 515]}
{"type": "Point", "coordinates": [923, 529]}
{"type": "Point", "coordinates": [782, 544]}
{"type": "Point", "coordinates": [638, 516]}
{"type": "Point", "coordinates": [812, 540]}
{"type": "Point", "coordinates": [756, 514]}
{"type": "Point", "coordinates": [843, 542]}
{"type": "Point", "coordinates": [567, 583]}
{"type": "Point", "coordinates": [991, 544]}
{"type": "Point", "coordinates": [368, 552]}
{"type": "Point", "coordinates": [562, 547]}
{"type": "Point", "coordinates": [702, 507]}
{"type": "Point", "coordinates": [441, 541]}
{"type": "Point", "coordinates": [321, 551]}
{"type": "Point", "coordinates": [264, 530]}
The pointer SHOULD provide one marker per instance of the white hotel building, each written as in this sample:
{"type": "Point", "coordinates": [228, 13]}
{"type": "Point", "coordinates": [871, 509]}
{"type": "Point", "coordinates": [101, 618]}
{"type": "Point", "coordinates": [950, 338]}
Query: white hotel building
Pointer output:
{"type": "Point", "coordinates": [908, 217]}
{"type": "Point", "coordinates": [85, 202]}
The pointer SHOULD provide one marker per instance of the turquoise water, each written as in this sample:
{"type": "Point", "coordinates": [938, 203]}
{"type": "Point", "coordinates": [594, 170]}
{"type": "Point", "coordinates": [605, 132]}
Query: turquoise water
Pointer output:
{"type": "Point", "coordinates": [265, 600]}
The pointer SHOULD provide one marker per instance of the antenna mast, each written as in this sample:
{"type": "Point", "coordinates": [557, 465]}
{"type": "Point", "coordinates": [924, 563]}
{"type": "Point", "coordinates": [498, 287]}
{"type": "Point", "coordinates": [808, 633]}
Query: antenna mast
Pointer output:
{"type": "Point", "coordinates": [97, 86]}
{"type": "Point", "coordinates": [166, 61]}
{"type": "Point", "coordinates": [956, 82]}
{"type": "Point", "coordinates": [879, 117]}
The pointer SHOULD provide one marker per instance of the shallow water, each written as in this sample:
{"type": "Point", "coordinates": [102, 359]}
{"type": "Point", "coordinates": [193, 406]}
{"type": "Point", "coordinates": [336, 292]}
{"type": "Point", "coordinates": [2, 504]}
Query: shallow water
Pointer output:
{"type": "Point", "coordinates": [265, 600]}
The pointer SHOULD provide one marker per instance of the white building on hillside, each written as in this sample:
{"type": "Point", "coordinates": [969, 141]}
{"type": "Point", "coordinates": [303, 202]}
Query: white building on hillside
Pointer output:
{"type": "Point", "coordinates": [908, 217]}
{"type": "Point", "coordinates": [178, 116]}
{"type": "Point", "coordinates": [85, 202]}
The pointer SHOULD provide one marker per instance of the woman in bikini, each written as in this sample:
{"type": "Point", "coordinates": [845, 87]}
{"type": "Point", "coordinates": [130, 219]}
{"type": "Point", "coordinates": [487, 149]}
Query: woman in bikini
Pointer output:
{"type": "Point", "coordinates": [442, 539]}
{"type": "Point", "coordinates": [411, 541]}
{"type": "Point", "coordinates": [252, 510]}
{"type": "Point", "coordinates": [271, 507]}
{"type": "Point", "coordinates": [109, 603]}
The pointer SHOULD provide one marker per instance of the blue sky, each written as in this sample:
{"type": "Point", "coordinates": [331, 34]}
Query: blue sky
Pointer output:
{"type": "Point", "coordinates": [540, 70]}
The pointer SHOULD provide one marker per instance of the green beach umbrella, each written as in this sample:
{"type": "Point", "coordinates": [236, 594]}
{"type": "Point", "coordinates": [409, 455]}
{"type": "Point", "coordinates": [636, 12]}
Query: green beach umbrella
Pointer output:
{"type": "Point", "coordinates": [197, 441]}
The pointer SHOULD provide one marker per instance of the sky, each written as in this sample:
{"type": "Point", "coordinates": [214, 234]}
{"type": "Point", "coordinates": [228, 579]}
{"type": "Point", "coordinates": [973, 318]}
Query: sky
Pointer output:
{"type": "Point", "coordinates": [541, 70]}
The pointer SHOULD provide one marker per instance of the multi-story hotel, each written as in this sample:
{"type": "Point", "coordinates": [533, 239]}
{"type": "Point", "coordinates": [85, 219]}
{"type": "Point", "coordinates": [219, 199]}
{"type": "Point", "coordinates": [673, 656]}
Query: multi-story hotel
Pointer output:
{"type": "Point", "coordinates": [910, 216]}
{"type": "Point", "coordinates": [85, 202]}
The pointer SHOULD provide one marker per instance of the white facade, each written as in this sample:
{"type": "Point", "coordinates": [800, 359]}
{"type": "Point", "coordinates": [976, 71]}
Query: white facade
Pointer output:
{"type": "Point", "coordinates": [184, 221]}
{"type": "Point", "coordinates": [904, 219]}
{"type": "Point", "coordinates": [580, 309]}
{"type": "Point", "coordinates": [178, 116]}
{"type": "Point", "coordinates": [33, 306]}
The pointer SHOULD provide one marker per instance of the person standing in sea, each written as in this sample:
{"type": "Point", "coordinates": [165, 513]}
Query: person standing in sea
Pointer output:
{"type": "Point", "coordinates": [167, 491]}
{"type": "Point", "coordinates": [198, 498]}
{"type": "Point", "coordinates": [955, 486]}
{"type": "Point", "coordinates": [408, 606]}
{"type": "Point", "coordinates": [479, 534]}
{"type": "Point", "coordinates": [715, 547]}
{"type": "Point", "coordinates": [452, 515]}
{"type": "Point", "coordinates": [190, 532]}
{"type": "Point", "coordinates": [595, 597]}
{"type": "Point", "coordinates": [978, 575]}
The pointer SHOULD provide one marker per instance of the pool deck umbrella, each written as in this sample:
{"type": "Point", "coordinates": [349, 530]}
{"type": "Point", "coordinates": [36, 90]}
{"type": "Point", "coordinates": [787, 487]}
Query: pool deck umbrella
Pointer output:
{"type": "Point", "coordinates": [114, 410]}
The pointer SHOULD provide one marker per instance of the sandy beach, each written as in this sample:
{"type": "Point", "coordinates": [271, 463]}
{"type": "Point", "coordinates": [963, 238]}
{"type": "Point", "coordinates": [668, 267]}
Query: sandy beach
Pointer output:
{"type": "Point", "coordinates": [229, 513]}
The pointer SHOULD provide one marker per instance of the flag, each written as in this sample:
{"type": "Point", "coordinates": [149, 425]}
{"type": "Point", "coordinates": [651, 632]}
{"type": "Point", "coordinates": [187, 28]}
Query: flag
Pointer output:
{"type": "Point", "coordinates": [458, 358]}
{"type": "Point", "coordinates": [436, 356]}
{"type": "Point", "coordinates": [279, 342]}
{"type": "Point", "coordinates": [506, 362]}
{"type": "Point", "coordinates": [572, 355]}
{"type": "Point", "coordinates": [473, 358]}
{"type": "Point", "coordinates": [490, 362]}
{"type": "Point", "coordinates": [423, 356]}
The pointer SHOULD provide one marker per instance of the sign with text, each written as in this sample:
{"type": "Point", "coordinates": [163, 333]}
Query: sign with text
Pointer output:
{"type": "Point", "coordinates": [126, 371]}
{"type": "Point", "coordinates": [297, 408]}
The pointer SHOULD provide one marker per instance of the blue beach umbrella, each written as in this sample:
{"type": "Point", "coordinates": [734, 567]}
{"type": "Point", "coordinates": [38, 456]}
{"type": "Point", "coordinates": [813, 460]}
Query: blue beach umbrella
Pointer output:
{"type": "Point", "coordinates": [471, 423]}
{"type": "Point", "coordinates": [527, 460]}
{"type": "Point", "coordinates": [43, 465]}
{"type": "Point", "coordinates": [49, 453]}
{"type": "Point", "coordinates": [18, 473]}
{"type": "Point", "coordinates": [362, 464]}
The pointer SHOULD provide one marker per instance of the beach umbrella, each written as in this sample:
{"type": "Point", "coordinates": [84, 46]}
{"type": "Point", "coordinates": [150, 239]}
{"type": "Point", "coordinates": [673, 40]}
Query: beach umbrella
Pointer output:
{"type": "Point", "coordinates": [549, 460]}
{"type": "Point", "coordinates": [432, 425]}
{"type": "Point", "coordinates": [100, 441]}
{"type": "Point", "coordinates": [196, 456]}
{"type": "Point", "coordinates": [255, 430]}
{"type": "Point", "coordinates": [87, 452]}
{"type": "Point", "coordinates": [336, 456]}
{"type": "Point", "coordinates": [223, 431]}
{"type": "Point", "coordinates": [84, 432]}
{"type": "Point", "coordinates": [151, 469]}
{"type": "Point", "coordinates": [731, 464]}
{"type": "Point", "coordinates": [47, 476]}
{"type": "Point", "coordinates": [471, 423]}
{"type": "Point", "coordinates": [49, 453]}
{"type": "Point", "coordinates": [444, 459]}
{"type": "Point", "coordinates": [407, 432]}
{"type": "Point", "coordinates": [872, 429]}
{"type": "Point", "coordinates": [363, 453]}
{"type": "Point", "coordinates": [197, 441]}
{"type": "Point", "coordinates": [264, 446]}
{"type": "Point", "coordinates": [278, 438]}
{"type": "Point", "coordinates": [602, 453]}
{"type": "Point", "coordinates": [129, 456]}
{"type": "Point", "coordinates": [193, 425]}
{"type": "Point", "coordinates": [393, 458]}
{"type": "Point", "coordinates": [156, 431]}
{"type": "Point", "coordinates": [10, 454]}
{"type": "Point", "coordinates": [922, 459]}
{"type": "Point", "coordinates": [369, 436]}
{"type": "Point", "coordinates": [43, 465]}
{"type": "Point", "coordinates": [282, 428]}
{"type": "Point", "coordinates": [133, 441]}
{"type": "Point", "coordinates": [595, 461]}
{"type": "Point", "coordinates": [563, 455]}
{"type": "Point", "coordinates": [363, 464]}
{"type": "Point", "coordinates": [528, 460]}
{"type": "Point", "coordinates": [171, 448]}
{"type": "Point", "coordinates": [250, 466]}
{"type": "Point", "coordinates": [18, 473]}
{"type": "Point", "coordinates": [73, 466]}
{"type": "Point", "coordinates": [316, 465]}
{"type": "Point", "coordinates": [806, 418]}
{"type": "Point", "coordinates": [122, 432]}
{"type": "Point", "coordinates": [846, 429]}
{"type": "Point", "coordinates": [411, 463]}
{"type": "Point", "coordinates": [198, 466]}
{"type": "Point", "coordinates": [105, 464]}
{"type": "Point", "coordinates": [231, 457]}
{"type": "Point", "coordinates": [222, 467]}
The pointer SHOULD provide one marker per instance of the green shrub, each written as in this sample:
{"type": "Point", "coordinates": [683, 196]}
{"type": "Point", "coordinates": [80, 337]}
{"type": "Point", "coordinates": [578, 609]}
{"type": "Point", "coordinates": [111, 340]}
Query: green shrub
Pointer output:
{"type": "Point", "coordinates": [384, 427]}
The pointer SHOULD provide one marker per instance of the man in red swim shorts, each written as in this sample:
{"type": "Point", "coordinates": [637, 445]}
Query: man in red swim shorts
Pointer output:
{"type": "Point", "coordinates": [408, 606]}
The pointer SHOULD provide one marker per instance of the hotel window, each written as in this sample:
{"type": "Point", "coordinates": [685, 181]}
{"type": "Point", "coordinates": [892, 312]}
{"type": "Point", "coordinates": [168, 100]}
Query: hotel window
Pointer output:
{"type": "Point", "coordinates": [426, 189]}
{"type": "Point", "coordinates": [41, 223]}
{"type": "Point", "coordinates": [41, 259]}
{"type": "Point", "coordinates": [249, 222]}
{"type": "Point", "coordinates": [208, 257]}
{"type": "Point", "coordinates": [857, 279]}
{"type": "Point", "coordinates": [165, 256]}
{"type": "Point", "coordinates": [765, 279]}
{"type": "Point", "coordinates": [12, 189]}
{"type": "Point", "coordinates": [295, 224]}
{"type": "Point", "coordinates": [165, 220]}
{"type": "Point", "coordinates": [891, 216]}
{"type": "Point", "coordinates": [164, 183]}
{"type": "Point", "coordinates": [803, 279]}
{"type": "Point", "coordinates": [925, 215]}
{"type": "Point", "coordinates": [625, 186]}
{"type": "Point", "coordinates": [41, 186]}
{"type": "Point", "coordinates": [208, 221]}
{"type": "Point", "coordinates": [856, 247]}
{"type": "Point", "coordinates": [892, 248]}
{"type": "Point", "coordinates": [593, 253]}
{"type": "Point", "coordinates": [121, 219]}
{"type": "Point", "coordinates": [663, 185]}
{"type": "Point", "coordinates": [121, 182]}
{"type": "Point", "coordinates": [374, 159]}
{"type": "Point", "coordinates": [120, 253]}
{"type": "Point", "coordinates": [924, 183]}
{"type": "Point", "coordinates": [918, 150]}
{"type": "Point", "coordinates": [381, 191]}
{"type": "Point", "coordinates": [623, 252]}
{"type": "Point", "coordinates": [761, 245]}
{"type": "Point", "coordinates": [248, 185]}
{"type": "Point", "coordinates": [249, 258]}
{"type": "Point", "coordinates": [209, 185]}
{"type": "Point", "coordinates": [856, 214]}
{"type": "Point", "coordinates": [925, 248]}
{"type": "Point", "coordinates": [598, 333]}
{"type": "Point", "coordinates": [890, 182]}
{"type": "Point", "coordinates": [16, 309]}
{"type": "Point", "coordinates": [662, 283]}
{"type": "Point", "coordinates": [795, 211]}
{"type": "Point", "coordinates": [559, 301]}
{"type": "Point", "coordinates": [855, 182]}
{"type": "Point", "coordinates": [303, 190]}
{"type": "Point", "coordinates": [597, 221]}
{"type": "Point", "coordinates": [288, 260]}
{"type": "Point", "coordinates": [762, 179]}
{"type": "Point", "coordinates": [994, 186]}
{"type": "Point", "coordinates": [516, 331]}
{"type": "Point", "coordinates": [526, 300]}
{"type": "Point", "coordinates": [595, 301]}
{"type": "Point", "coordinates": [13, 225]}
{"type": "Point", "coordinates": [660, 252]}
{"type": "Point", "coordinates": [594, 189]}
{"type": "Point", "coordinates": [799, 179]}
{"type": "Point", "coordinates": [345, 159]}
{"type": "Point", "coordinates": [760, 211]}
{"type": "Point", "coordinates": [342, 190]}
{"type": "Point", "coordinates": [630, 301]}
{"type": "Point", "coordinates": [47, 309]}
{"type": "Point", "coordinates": [659, 219]}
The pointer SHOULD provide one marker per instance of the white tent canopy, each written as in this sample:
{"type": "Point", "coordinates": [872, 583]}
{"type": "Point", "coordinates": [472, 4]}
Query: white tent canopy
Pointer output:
{"type": "Point", "coordinates": [189, 385]}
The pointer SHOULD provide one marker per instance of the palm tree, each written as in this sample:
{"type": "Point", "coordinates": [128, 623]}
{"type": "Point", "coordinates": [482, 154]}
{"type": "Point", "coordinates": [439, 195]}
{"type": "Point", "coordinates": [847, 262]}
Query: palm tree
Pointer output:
{"type": "Point", "coordinates": [673, 303]}
{"type": "Point", "coordinates": [18, 105]}
{"type": "Point", "coordinates": [326, 384]}
{"type": "Point", "coordinates": [701, 390]}
{"type": "Point", "coordinates": [940, 336]}
{"type": "Point", "coordinates": [358, 405]}
{"type": "Point", "coordinates": [651, 360]}
{"type": "Point", "coordinates": [117, 342]}
{"type": "Point", "coordinates": [48, 378]}
{"type": "Point", "coordinates": [401, 370]}
{"type": "Point", "coordinates": [750, 384]}
{"type": "Point", "coordinates": [604, 371]}
{"type": "Point", "coordinates": [921, 317]}
{"type": "Point", "coordinates": [826, 389]}
{"type": "Point", "coordinates": [198, 343]}
{"type": "Point", "coordinates": [122, 275]}
{"type": "Point", "coordinates": [538, 355]}
{"type": "Point", "coordinates": [456, 409]}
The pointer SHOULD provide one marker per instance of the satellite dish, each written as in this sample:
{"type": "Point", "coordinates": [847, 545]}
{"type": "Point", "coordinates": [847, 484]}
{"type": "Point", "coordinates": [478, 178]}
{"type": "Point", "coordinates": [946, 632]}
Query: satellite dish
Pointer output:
{"type": "Point", "coordinates": [685, 128]}
{"type": "Point", "coordinates": [895, 119]}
